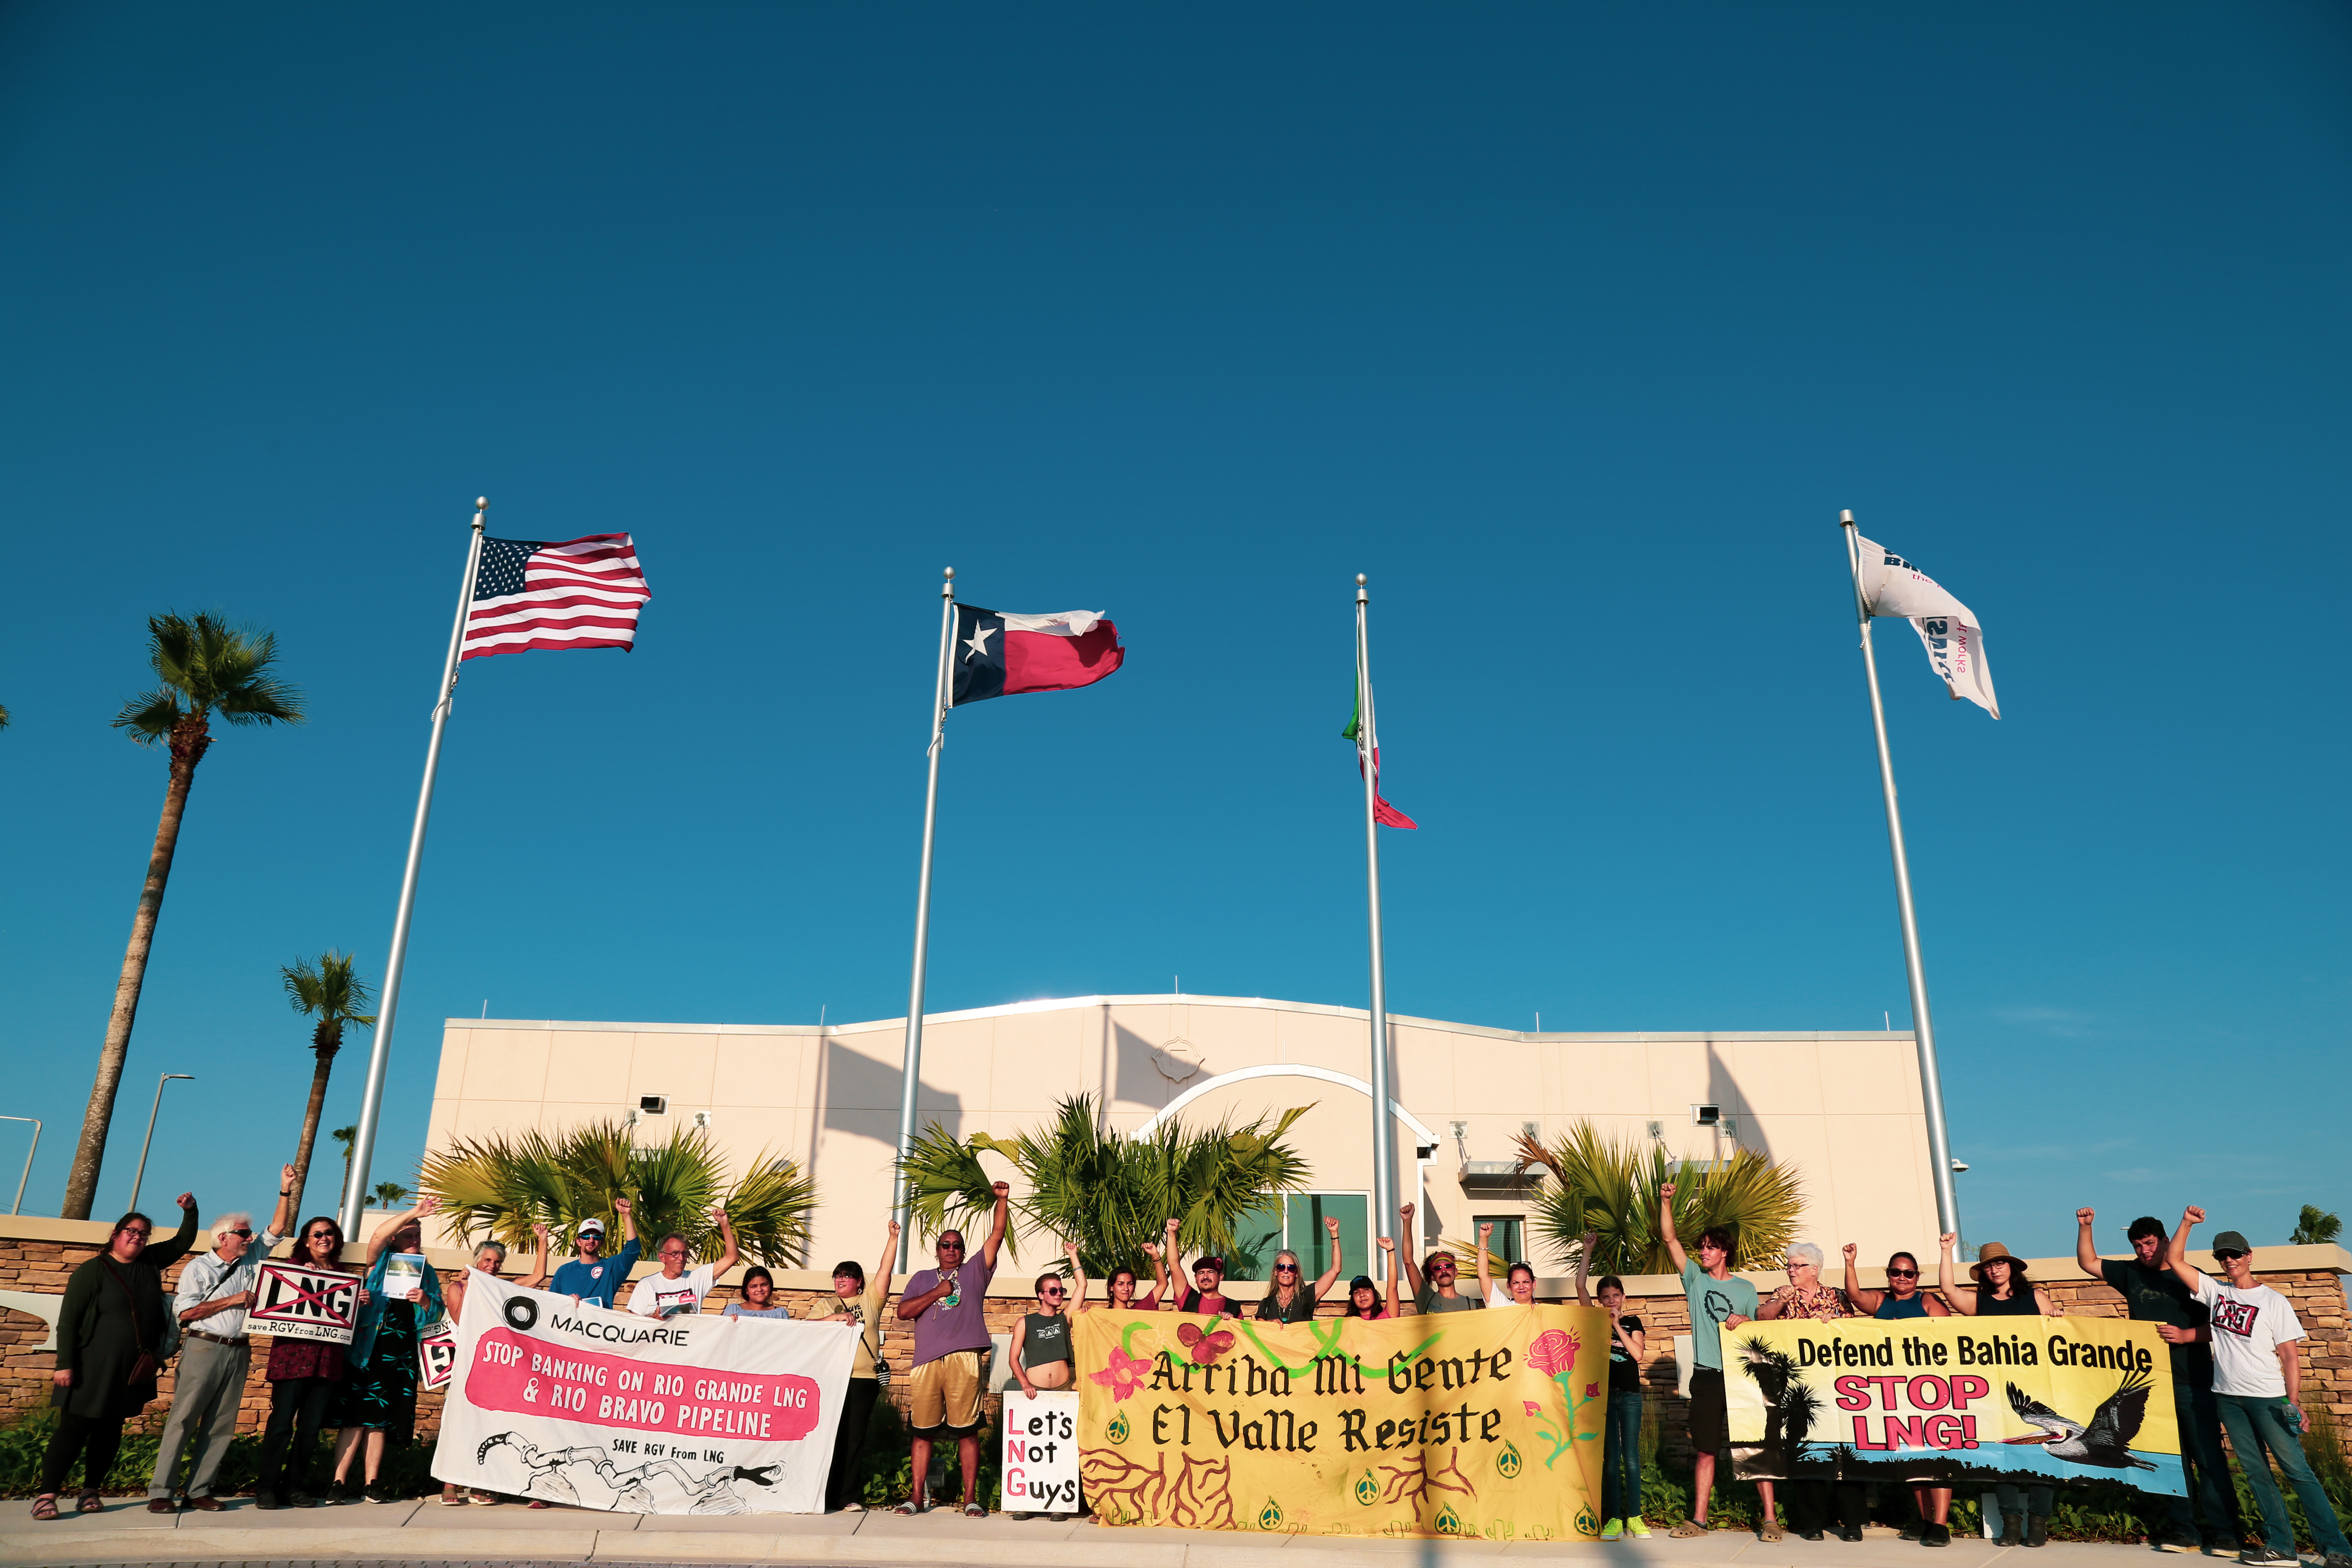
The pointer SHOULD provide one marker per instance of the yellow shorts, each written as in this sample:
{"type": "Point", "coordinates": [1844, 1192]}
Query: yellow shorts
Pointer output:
{"type": "Point", "coordinates": [946, 1394]}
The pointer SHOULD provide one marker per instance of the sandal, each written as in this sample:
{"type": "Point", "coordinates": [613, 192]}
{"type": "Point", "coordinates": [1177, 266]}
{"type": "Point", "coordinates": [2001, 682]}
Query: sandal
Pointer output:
{"type": "Point", "coordinates": [973, 1510]}
{"type": "Point", "coordinates": [1771, 1532]}
{"type": "Point", "coordinates": [46, 1506]}
{"type": "Point", "coordinates": [1688, 1530]}
{"type": "Point", "coordinates": [910, 1507]}
{"type": "Point", "coordinates": [90, 1504]}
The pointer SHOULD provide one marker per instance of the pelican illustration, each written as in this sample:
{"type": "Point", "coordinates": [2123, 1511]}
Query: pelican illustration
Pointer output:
{"type": "Point", "coordinates": [2107, 1441]}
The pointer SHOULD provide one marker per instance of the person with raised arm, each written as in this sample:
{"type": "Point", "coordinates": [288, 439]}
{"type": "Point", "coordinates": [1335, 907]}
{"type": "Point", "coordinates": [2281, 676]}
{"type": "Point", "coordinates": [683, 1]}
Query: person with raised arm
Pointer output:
{"type": "Point", "coordinates": [375, 1405]}
{"type": "Point", "coordinates": [110, 1336]}
{"type": "Point", "coordinates": [1289, 1300]}
{"type": "Point", "coordinates": [856, 1305]}
{"type": "Point", "coordinates": [1206, 1295]}
{"type": "Point", "coordinates": [489, 1258]}
{"type": "Point", "coordinates": [1904, 1299]}
{"type": "Point", "coordinates": [2154, 1294]}
{"type": "Point", "coordinates": [1719, 1300]}
{"type": "Point", "coordinates": [209, 1383]}
{"type": "Point", "coordinates": [2003, 1290]}
{"type": "Point", "coordinates": [1436, 1283]}
{"type": "Point", "coordinates": [2258, 1384]}
{"type": "Point", "coordinates": [536, 1279]}
{"type": "Point", "coordinates": [592, 1276]}
{"type": "Point", "coordinates": [1364, 1296]}
{"type": "Point", "coordinates": [1621, 1447]}
{"type": "Point", "coordinates": [303, 1377]}
{"type": "Point", "coordinates": [677, 1289]}
{"type": "Point", "coordinates": [947, 1305]}
{"type": "Point", "coordinates": [1118, 1288]}
{"type": "Point", "coordinates": [1817, 1500]}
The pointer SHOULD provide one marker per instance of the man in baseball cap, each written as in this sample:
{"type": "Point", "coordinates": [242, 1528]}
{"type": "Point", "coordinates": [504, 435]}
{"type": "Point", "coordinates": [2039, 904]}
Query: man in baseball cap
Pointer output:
{"type": "Point", "coordinates": [591, 1276]}
{"type": "Point", "coordinates": [2258, 1383]}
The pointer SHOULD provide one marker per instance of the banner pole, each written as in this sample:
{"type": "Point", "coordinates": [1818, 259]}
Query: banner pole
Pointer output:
{"type": "Point", "coordinates": [1384, 1194]}
{"type": "Point", "coordinates": [380, 1050]}
{"type": "Point", "coordinates": [912, 1075]}
{"type": "Point", "coordinates": [1923, 1028]}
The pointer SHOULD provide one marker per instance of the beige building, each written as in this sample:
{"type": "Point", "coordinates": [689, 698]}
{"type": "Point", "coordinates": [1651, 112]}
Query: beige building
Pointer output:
{"type": "Point", "coordinates": [1844, 1109]}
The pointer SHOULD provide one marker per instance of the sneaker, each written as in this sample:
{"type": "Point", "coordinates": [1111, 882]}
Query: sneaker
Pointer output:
{"type": "Point", "coordinates": [1851, 1532]}
{"type": "Point", "coordinates": [2180, 1538]}
{"type": "Point", "coordinates": [342, 1491]}
{"type": "Point", "coordinates": [377, 1492]}
{"type": "Point", "coordinates": [1637, 1528]}
{"type": "Point", "coordinates": [2339, 1560]}
{"type": "Point", "coordinates": [1612, 1529]}
{"type": "Point", "coordinates": [266, 1501]}
{"type": "Point", "coordinates": [297, 1498]}
{"type": "Point", "coordinates": [1935, 1535]}
{"type": "Point", "coordinates": [2264, 1557]}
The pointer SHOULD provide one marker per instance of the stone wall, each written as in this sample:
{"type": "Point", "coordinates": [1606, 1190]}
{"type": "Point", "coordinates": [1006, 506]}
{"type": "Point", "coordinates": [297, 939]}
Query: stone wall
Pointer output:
{"type": "Point", "coordinates": [38, 1254]}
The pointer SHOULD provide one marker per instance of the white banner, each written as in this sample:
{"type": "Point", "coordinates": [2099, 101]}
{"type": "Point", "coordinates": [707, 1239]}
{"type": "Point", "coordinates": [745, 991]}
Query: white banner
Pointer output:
{"type": "Point", "coordinates": [1947, 628]}
{"type": "Point", "coordinates": [295, 1302]}
{"type": "Point", "coordinates": [1040, 1465]}
{"type": "Point", "coordinates": [551, 1399]}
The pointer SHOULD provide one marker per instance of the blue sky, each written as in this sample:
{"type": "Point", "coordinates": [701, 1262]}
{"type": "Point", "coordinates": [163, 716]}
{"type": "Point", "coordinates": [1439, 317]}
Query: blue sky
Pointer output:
{"type": "Point", "coordinates": [1572, 327]}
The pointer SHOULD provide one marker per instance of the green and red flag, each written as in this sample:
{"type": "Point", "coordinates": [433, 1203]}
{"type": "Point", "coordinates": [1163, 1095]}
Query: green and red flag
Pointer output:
{"type": "Point", "coordinates": [1367, 755]}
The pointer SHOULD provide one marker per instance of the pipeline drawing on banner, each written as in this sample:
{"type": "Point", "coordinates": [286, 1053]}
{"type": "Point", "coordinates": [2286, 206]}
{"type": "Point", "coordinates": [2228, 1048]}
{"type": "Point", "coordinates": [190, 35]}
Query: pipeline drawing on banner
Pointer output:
{"type": "Point", "coordinates": [554, 1400]}
{"type": "Point", "coordinates": [1478, 1424]}
{"type": "Point", "coordinates": [2043, 1399]}
{"type": "Point", "coordinates": [294, 1302]}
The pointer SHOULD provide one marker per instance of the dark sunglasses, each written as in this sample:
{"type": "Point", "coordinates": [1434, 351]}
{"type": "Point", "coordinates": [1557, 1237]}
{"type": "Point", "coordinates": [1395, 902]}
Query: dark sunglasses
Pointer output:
{"type": "Point", "coordinates": [1049, 1295]}
{"type": "Point", "coordinates": [244, 1230]}
{"type": "Point", "coordinates": [1903, 1274]}
{"type": "Point", "coordinates": [2226, 1257]}
{"type": "Point", "coordinates": [950, 1246]}
{"type": "Point", "coordinates": [319, 1236]}
{"type": "Point", "coordinates": [1286, 1268]}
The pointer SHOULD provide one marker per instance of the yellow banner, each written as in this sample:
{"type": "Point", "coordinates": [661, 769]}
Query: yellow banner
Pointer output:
{"type": "Point", "coordinates": [2048, 1398]}
{"type": "Point", "coordinates": [1485, 1423]}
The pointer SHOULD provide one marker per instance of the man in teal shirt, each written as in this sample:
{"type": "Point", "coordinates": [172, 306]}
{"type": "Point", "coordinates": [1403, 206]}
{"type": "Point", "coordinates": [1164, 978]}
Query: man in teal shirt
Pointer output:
{"type": "Point", "coordinates": [1718, 1301]}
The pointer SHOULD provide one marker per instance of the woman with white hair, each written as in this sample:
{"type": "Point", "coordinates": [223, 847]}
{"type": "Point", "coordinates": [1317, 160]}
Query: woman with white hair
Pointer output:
{"type": "Point", "coordinates": [1809, 1483]}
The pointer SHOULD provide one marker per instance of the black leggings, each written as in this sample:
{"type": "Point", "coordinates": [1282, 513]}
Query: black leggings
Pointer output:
{"type": "Point", "coordinates": [92, 1439]}
{"type": "Point", "coordinates": [849, 1442]}
{"type": "Point", "coordinates": [298, 1406]}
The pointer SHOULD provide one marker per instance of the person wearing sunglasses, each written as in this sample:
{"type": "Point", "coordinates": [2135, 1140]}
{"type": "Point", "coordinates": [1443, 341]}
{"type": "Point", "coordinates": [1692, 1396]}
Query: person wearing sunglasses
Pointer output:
{"type": "Point", "coordinates": [304, 1375]}
{"type": "Point", "coordinates": [209, 1383]}
{"type": "Point", "coordinates": [2154, 1294]}
{"type": "Point", "coordinates": [1288, 1298]}
{"type": "Point", "coordinates": [1818, 1501]}
{"type": "Point", "coordinates": [2258, 1384]}
{"type": "Point", "coordinates": [948, 1395]}
{"type": "Point", "coordinates": [110, 1346]}
{"type": "Point", "coordinates": [591, 1276]}
{"type": "Point", "coordinates": [677, 1289]}
{"type": "Point", "coordinates": [1435, 1282]}
{"type": "Point", "coordinates": [1904, 1299]}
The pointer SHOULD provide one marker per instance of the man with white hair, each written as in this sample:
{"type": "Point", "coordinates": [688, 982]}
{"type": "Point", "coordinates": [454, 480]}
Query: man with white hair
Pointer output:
{"type": "Point", "coordinates": [209, 1383]}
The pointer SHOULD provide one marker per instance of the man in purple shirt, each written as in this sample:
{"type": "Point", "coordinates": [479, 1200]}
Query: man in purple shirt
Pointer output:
{"type": "Point", "coordinates": [948, 1305]}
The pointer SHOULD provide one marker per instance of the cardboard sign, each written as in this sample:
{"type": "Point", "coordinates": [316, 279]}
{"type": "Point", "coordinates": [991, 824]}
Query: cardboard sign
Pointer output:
{"type": "Point", "coordinates": [296, 1303]}
{"type": "Point", "coordinates": [1041, 1452]}
{"type": "Point", "coordinates": [437, 1356]}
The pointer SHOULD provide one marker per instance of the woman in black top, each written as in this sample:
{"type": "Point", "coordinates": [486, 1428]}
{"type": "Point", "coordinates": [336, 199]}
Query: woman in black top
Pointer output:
{"type": "Point", "coordinates": [2003, 1290]}
{"type": "Point", "coordinates": [109, 1347]}
{"type": "Point", "coordinates": [1287, 1299]}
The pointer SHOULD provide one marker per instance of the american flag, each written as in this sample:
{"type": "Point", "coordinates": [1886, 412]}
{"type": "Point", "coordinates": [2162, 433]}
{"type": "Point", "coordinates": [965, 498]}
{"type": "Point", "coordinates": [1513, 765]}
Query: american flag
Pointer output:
{"type": "Point", "coordinates": [582, 593]}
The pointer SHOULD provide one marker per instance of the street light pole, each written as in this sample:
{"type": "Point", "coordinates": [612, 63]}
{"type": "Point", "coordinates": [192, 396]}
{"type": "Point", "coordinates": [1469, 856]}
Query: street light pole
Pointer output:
{"type": "Point", "coordinates": [141, 1175]}
{"type": "Point", "coordinates": [28, 1158]}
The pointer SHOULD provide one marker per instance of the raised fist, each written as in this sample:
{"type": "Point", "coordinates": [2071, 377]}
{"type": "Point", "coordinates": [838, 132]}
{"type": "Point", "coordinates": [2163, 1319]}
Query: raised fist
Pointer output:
{"type": "Point", "coordinates": [1001, 1189]}
{"type": "Point", "coordinates": [1388, 1242]}
{"type": "Point", "coordinates": [1485, 1229]}
{"type": "Point", "coordinates": [1331, 1225]}
{"type": "Point", "coordinates": [186, 1200]}
{"type": "Point", "coordinates": [1850, 1250]}
{"type": "Point", "coordinates": [2192, 1214]}
{"type": "Point", "coordinates": [1666, 1190]}
{"type": "Point", "coordinates": [621, 1205]}
{"type": "Point", "coordinates": [2084, 1219]}
{"type": "Point", "coordinates": [1404, 1212]}
{"type": "Point", "coordinates": [1949, 1239]}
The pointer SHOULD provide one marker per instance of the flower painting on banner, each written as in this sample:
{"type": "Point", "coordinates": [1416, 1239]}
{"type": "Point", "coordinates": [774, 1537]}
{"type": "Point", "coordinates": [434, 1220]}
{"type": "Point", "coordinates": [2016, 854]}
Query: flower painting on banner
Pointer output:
{"type": "Point", "coordinates": [1481, 1425]}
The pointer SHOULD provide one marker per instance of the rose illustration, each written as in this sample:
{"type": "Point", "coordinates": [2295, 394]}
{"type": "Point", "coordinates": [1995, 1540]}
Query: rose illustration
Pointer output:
{"type": "Point", "coordinates": [1552, 1351]}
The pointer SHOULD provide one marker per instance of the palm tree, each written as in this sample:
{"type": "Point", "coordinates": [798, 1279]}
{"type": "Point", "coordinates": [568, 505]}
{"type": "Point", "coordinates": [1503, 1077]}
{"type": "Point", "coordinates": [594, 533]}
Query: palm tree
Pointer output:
{"type": "Point", "coordinates": [348, 1137]}
{"type": "Point", "coordinates": [331, 992]}
{"type": "Point", "coordinates": [1109, 1193]}
{"type": "Point", "coordinates": [1599, 1184]}
{"type": "Point", "coordinates": [205, 666]}
{"type": "Point", "coordinates": [495, 1188]}
{"type": "Point", "coordinates": [388, 1194]}
{"type": "Point", "coordinates": [2314, 1227]}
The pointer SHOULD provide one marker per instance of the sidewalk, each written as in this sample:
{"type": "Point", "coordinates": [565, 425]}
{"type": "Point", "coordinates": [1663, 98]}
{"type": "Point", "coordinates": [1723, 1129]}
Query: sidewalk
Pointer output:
{"type": "Point", "coordinates": [425, 1531]}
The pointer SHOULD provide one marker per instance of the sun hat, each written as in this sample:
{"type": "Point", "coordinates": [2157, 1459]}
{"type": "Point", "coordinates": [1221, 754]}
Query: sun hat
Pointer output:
{"type": "Point", "coordinates": [1994, 1252]}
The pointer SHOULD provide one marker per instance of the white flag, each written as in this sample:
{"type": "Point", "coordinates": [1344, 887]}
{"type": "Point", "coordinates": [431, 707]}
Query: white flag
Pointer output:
{"type": "Point", "coordinates": [1893, 586]}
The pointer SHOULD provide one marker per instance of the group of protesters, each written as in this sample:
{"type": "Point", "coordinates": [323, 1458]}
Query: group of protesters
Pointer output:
{"type": "Point", "coordinates": [2234, 1348]}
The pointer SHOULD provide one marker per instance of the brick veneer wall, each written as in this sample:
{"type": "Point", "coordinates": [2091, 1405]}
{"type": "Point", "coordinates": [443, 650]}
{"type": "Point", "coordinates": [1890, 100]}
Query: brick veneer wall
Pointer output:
{"type": "Point", "coordinates": [40, 1255]}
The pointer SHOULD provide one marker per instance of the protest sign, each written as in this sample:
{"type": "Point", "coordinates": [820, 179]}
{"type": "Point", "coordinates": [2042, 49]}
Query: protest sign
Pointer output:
{"type": "Point", "coordinates": [437, 1357]}
{"type": "Point", "coordinates": [1483, 1423]}
{"type": "Point", "coordinates": [1955, 1399]}
{"type": "Point", "coordinates": [1040, 1464]}
{"type": "Point", "coordinates": [296, 1303]}
{"type": "Point", "coordinates": [553, 1399]}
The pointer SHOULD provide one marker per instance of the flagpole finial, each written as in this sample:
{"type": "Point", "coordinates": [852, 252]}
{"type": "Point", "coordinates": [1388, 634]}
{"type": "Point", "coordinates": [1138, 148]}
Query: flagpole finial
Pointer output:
{"type": "Point", "coordinates": [1845, 518]}
{"type": "Point", "coordinates": [1360, 579]}
{"type": "Point", "coordinates": [481, 503]}
{"type": "Point", "coordinates": [950, 573]}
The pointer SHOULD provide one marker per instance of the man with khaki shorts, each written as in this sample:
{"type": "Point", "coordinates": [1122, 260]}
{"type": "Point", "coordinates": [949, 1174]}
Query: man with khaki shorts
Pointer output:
{"type": "Point", "coordinates": [948, 1305]}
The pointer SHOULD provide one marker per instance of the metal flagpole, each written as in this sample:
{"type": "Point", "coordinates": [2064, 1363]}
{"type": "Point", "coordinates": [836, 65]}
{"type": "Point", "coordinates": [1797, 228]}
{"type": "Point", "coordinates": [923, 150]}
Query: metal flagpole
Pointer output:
{"type": "Point", "coordinates": [914, 1068]}
{"type": "Point", "coordinates": [1384, 1196]}
{"type": "Point", "coordinates": [379, 1052]}
{"type": "Point", "coordinates": [1931, 1084]}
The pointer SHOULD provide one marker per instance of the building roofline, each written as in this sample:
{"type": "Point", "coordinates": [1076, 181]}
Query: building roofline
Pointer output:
{"type": "Point", "coordinates": [1186, 999]}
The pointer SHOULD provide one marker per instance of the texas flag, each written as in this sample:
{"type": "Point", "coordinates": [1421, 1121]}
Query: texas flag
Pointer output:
{"type": "Point", "coordinates": [998, 654]}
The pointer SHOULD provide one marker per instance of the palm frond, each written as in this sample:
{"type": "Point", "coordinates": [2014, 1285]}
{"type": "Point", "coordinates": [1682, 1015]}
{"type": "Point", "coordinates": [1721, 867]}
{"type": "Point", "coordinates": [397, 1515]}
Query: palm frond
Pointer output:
{"type": "Point", "coordinates": [948, 1189]}
{"type": "Point", "coordinates": [151, 715]}
{"type": "Point", "coordinates": [329, 988]}
{"type": "Point", "coordinates": [772, 1208]}
{"type": "Point", "coordinates": [217, 667]}
{"type": "Point", "coordinates": [1610, 1187]}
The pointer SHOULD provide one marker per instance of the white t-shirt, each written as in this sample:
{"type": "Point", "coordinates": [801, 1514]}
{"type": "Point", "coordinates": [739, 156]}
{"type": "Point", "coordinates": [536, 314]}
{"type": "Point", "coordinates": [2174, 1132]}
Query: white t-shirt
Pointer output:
{"type": "Point", "coordinates": [657, 1296]}
{"type": "Point", "coordinates": [2247, 1328]}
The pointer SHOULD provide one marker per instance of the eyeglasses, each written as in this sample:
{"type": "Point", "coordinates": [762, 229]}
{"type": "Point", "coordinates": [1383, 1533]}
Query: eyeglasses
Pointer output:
{"type": "Point", "coordinates": [1049, 1295]}
{"type": "Point", "coordinates": [245, 1230]}
{"type": "Point", "coordinates": [132, 1230]}
{"type": "Point", "coordinates": [1800, 1263]}
{"type": "Point", "coordinates": [321, 1235]}
{"type": "Point", "coordinates": [1286, 1268]}
{"type": "Point", "coordinates": [673, 1252]}
{"type": "Point", "coordinates": [2227, 1257]}
{"type": "Point", "coordinates": [950, 1246]}
{"type": "Point", "coordinates": [1903, 1274]}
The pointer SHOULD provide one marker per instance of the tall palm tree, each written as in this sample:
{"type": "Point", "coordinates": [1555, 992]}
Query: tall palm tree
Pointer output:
{"type": "Point", "coordinates": [330, 992]}
{"type": "Point", "coordinates": [206, 667]}
{"type": "Point", "coordinates": [1610, 1188]}
{"type": "Point", "coordinates": [2314, 1227]}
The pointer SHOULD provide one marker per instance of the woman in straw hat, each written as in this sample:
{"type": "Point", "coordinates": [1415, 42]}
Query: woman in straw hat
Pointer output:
{"type": "Point", "coordinates": [2003, 1290]}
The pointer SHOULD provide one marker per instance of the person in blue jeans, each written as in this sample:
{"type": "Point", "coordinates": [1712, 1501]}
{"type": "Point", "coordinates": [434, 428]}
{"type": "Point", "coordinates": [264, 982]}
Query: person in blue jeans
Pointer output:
{"type": "Point", "coordinates": [1621, 1461]}
{"type": "Point", "coordinates": [2258, 1383]}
